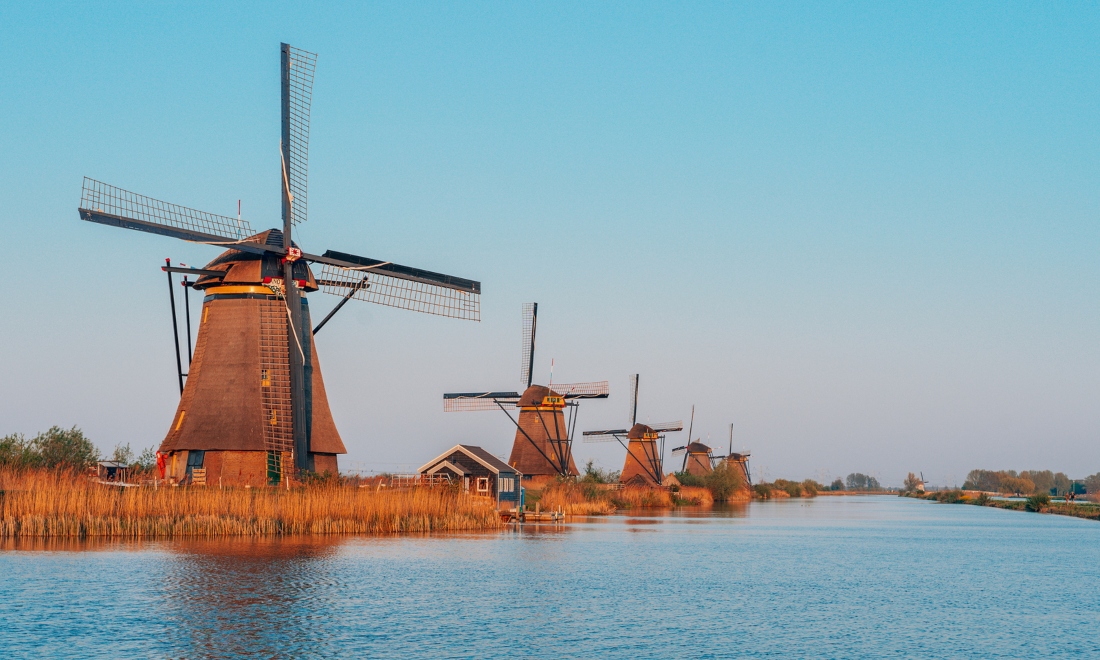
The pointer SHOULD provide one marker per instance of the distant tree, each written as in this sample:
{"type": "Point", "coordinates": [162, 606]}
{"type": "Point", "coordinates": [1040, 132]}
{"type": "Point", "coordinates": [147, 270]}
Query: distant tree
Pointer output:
{"type": "Point", "coordinates": [13, 450]}
{"type": "Point", "coordinates": [60, 448]}
{"type": "Point", "coordinates": [595, 475]}
{"type": "Point", "coordinates": [1014, 485]}
{"type": "Point", "coordinates": [123, 454]}
{"type": "Point", "coordinates": [857, 481]}
{"type": "Point", "coordinates": [911, 483]}
{"type": "Point", "coordinates": [838, 484]}
{"type": "Point", "coordinates": [873, 484]}
{"type": "Point", "coordinates": [147, 460]}
{"type": "Point", "coordinates": [1092, 483]}
{"type": "Point", "coordinates": [723, 481]}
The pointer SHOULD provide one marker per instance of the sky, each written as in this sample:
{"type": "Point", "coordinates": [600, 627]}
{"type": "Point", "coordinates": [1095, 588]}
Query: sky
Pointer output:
{"type": "Point", "coordinates": [864, 233]}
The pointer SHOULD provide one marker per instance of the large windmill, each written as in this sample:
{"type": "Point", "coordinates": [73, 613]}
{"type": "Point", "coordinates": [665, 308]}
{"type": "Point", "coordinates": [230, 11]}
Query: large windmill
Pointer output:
{"type": "Point", "coordinates": [644, 458]}
{"type": "Point", "coordinates": [543, 446]}
{"type": "Point", "coordinates": [254, 403]}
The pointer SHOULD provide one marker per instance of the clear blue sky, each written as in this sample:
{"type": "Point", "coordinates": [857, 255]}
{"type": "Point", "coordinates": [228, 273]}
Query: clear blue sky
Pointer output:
{"type": "Point", "coordinates": [867, 234]}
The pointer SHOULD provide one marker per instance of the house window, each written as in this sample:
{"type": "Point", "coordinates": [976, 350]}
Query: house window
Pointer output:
{"type": "Point", "coordinates": [483, 484]}
{"type": "Point", "coordinates": [506, 484]}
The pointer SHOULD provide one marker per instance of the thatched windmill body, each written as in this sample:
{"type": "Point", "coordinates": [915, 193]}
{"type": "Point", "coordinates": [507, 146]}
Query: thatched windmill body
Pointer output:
{"type": "Point", "coordinates": [254, 408]}
{"type": "Point", "coordinates": [739, 461]}
{"type": "Point", "coordinates": [644, 444]}
{"type": "Point", "coordinates": [543, 444]}
{"type": "Point", "coordinates": [698, 458]}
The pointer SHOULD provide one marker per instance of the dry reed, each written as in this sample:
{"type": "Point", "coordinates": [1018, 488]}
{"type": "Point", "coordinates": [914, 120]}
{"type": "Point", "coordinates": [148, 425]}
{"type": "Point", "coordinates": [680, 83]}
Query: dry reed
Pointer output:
{"type": "Point", "coordinates": [576, 499]}
{"type": "Point", "coordinates": [696, 495]}
{"type": "Point", "coordinates": [41, 503]}
{"type": "Point", "coordinates": [641, 497]}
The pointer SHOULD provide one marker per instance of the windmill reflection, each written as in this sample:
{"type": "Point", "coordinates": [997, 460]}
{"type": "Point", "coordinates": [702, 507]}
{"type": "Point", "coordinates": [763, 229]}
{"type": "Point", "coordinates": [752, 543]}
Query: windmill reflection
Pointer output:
{"type": "Point", "coordinates": [262, 597]}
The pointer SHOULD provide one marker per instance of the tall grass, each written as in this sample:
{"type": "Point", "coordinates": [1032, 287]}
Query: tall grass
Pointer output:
{"type": "Point", "coordinates": [586, 498]}
{"type": "Point", "coordinates": [47, 503]}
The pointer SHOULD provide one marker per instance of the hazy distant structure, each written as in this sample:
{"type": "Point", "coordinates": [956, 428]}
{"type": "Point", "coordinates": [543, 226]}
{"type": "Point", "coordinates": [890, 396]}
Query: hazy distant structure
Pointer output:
{"type": "Point", "coordinates": [697, 456]}
{"type": "Point", "coordinates": [543, 444]}
{"type": "Point", "coordinates": [698, 459]}
{"type": "Point", "coordinates": [737, 461]}
{"type": "Point", "coordinates": [644, 444]}
{"type": "Point", "coordinates": [254, 410]}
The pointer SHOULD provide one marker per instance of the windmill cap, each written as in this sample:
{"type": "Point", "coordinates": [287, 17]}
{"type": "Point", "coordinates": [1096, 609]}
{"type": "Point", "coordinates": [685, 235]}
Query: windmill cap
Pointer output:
{"type": "Point", "coordinates": [638, 431]}
{"type": "Point", "coordinates": [534, 395]}
{"type": "Point", "coordinates": [252, 269]}
{"type": "Point", "coordinates": [697, 448]}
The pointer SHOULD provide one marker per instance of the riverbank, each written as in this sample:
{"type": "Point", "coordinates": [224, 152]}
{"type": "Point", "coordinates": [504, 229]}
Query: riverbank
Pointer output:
{"type": "Point", "coordinates": [63, 504]}
{"type": "Point", "coordinates": [1034, 504]}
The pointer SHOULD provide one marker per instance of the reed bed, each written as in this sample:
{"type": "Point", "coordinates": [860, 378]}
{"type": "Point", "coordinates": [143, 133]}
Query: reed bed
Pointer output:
{"type": "Point", "coordinates": [641, 497]}
{"type": "Point", "coordinates": [576, 499]}
{"type": "Point", "coordinates": [62, 504]}
{"type": "Point", "coordinates": [696, 495]}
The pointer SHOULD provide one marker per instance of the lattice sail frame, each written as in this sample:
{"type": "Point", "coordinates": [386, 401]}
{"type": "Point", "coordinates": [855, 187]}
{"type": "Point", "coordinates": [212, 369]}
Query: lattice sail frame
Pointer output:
{"type": "Point", "coordinates": [582, 390]}
{"type": "Point", "coordinates": [474, 404]}
{"type": "Point", "coordinates": [383, 289]}
{"type": "Point", "coordinates": [528, 347]}
{"type": "Point", "coordinates": [608, 436]}
{"type": "Point", "coordinates": [112, 200]}
{"type": "Point", "coordinates": [302, 65]}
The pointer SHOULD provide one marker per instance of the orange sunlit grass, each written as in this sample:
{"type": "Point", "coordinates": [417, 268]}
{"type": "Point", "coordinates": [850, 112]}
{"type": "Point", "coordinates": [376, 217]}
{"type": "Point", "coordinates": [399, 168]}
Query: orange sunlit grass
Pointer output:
{"type": "Point", "coordinates": [45, 503]}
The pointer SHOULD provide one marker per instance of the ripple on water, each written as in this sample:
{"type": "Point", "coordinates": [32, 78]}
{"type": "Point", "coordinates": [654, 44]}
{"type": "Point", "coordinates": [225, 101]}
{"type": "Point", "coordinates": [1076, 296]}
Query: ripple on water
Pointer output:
{"type": "Point", "coordinates": [832, 577]}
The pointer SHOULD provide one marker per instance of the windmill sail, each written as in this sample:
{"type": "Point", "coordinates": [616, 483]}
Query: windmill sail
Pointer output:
{"type": "Point", "coordinates": [110, 205]}
{"type": "Point", "coordinates": [593, 390]}
{"type": "Point", "coordinates": [402, 287]}
{"type": "Point", "coordinates": [298, 68]}
{"type": "Point", "coordinates": [527, 354]}
{"type": "Point", "coordinates": [474, 401]}
{"type": "Point", "coordinates": [667, 427]}
{"type": "Point", "coordinates": [604, 436]}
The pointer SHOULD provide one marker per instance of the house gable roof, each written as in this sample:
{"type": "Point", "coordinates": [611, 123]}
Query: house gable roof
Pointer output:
{"type": "Point", "coordinates": [491, 463]}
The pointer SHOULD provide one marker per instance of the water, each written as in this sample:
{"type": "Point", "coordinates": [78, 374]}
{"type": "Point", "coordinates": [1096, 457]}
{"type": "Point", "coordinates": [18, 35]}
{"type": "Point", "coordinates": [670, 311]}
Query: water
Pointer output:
{"type": "Point", "coordinates": [832, 577]}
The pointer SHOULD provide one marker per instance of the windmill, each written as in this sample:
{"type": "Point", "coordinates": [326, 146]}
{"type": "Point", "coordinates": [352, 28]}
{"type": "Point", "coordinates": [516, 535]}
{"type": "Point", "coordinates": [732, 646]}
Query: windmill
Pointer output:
{"type": "Point", "coordinates": [543, 446]}
{"type": "Point", "coordinates": [739, 461]}
{"type": "Point", "coordinates": [254, 392]}
{"type": "Point", "coordinates": [698, 459]}
{"type": "Point", "coordinates": [644, 458]}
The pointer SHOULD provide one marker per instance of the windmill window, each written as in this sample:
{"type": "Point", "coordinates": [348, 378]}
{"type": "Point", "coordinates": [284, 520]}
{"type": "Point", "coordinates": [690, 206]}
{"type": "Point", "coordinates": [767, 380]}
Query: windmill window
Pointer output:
{"type": "Point", "coordinates": [205, 313]}
{"type": "Point", "coordinates": [483, 484]}
{"type": "Point", "coordinates": [265, 379]}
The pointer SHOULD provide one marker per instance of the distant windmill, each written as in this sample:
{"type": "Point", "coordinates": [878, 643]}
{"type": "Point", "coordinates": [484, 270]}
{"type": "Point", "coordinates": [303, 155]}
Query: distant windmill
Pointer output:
{"type": "Point", "coordinates": [644, 458]}
{"type": "Point", "coordinates": [738, 461]}
{"type": "Point", "coordinates": [543, 446]}
{"type": "Point", "coordinates": [697, 456]}
{"type": "Point", "coordinates": [254, 403]}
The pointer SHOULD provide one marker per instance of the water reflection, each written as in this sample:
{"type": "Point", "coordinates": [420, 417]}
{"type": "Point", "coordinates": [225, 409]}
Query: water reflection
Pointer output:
{"type": "Point", "coordinates": [248, 596]}
{"type": "Point", "coordinates": [838, 577]}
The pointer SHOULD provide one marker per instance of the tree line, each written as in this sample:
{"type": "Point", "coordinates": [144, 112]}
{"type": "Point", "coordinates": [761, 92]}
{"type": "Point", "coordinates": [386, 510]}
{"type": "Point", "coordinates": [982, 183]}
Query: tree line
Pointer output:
{"type": "Point", "coordinates": [60, 448]}
{"type": "Point", "coordinates": [1027, 482]}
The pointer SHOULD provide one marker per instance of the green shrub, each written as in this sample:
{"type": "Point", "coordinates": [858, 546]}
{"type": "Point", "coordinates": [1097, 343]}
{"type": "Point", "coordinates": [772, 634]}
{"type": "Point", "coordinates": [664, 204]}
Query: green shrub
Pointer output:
{"type": "Point", "coordinates": [56, 448]}
{"type": "Point", "coordinates": [949, 496]}
{"type": "Point", "coordinates": [982, 499]}
{"type": "Point", "coordinates": [763, 491]}
{"type": "Point", "coordinates": [1037, 502]}
{"type": "Point", "coordinates": [594, 475]}
{"type": "Point", "coordinates": [723, 481]}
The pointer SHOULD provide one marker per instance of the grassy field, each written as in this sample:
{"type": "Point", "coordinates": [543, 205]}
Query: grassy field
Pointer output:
{"type": "Point", "coordinates": [64, 504]}
{"type": "Point", "coordinates": [1035, 503]}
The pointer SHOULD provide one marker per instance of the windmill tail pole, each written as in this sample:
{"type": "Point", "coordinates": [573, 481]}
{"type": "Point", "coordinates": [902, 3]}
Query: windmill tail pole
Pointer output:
{"type": "Point", "coordinates": [340, 304]}
{"type": "Point", "coordinates": [175, 324]}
